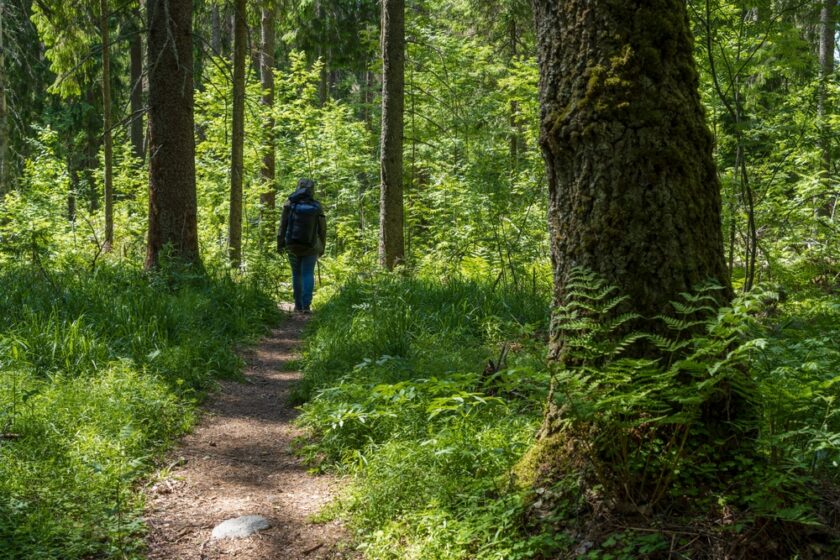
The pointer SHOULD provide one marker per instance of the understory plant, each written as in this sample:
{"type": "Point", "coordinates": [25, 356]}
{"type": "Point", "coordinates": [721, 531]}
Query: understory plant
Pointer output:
{"type": "Point", "coordinates": [99, 371]}
{"type": "Point", "coordinates": [432, 395]}
{"type": "Point", "coordinates": [427, 392]}
{"type": "Point", "coordinates": [668, 430]}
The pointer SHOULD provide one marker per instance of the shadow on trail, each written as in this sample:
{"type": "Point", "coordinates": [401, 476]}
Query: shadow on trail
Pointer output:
{"type": "Point", "coordinates": [239, 462]}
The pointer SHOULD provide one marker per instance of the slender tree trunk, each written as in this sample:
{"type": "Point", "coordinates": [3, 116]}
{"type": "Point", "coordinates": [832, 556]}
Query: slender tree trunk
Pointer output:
{"type": "Point", "coordinates": [752, 244]}
{"type": "Point", "coordinates": [172, 196]}
{"type": "Point", "coordinates": [135, 47]}
{"type": "Point", "coordinates": [230, 30]}
{"type": "Point", "coordinates": [515, 127]}
{"type": "Point", "coordinates": [220, 22]}
{"type": "Point", "coordinates": [71, 196]}
{"type": "Point", "coordinates": [322, 79]}
{"type": "Point", "coordinates": [323, 52]}
{"type": "Point", "coordinates": [828, 29]}
{"type": "Point", "coordinates": [144, 80]}
{"type": "Point", "coordinates": [734, 107]}
{"type": "Point", "coordinates": [4, 117]}
{"type": "Point", "coordinates": [106, 126]}
{"type": "Point", "coordinates": [391, 241]}
{"type": "Point", "coordinates": [332, 77]}
{"type": "Point", "coordinates": [634, 194]}
{"type": "Point", "coordinates": [215, 30]}
{"type": "Point", "coordinates": [237, 135]}
{"type": "Point", "coordinates": [269, 13]}
{"type": "Point", "coordinates": [367, 100]}
{"type": "Point", "coordinates": [93, 141]}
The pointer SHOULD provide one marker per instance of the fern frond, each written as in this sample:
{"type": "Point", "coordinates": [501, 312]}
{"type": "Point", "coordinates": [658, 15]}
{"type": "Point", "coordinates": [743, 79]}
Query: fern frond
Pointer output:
{"type": "Point", "coordinates": [616, 322]}
{"type": "Point", "coordinates": [680, 324]}
{"type": "Point", "coordinates": [625, 342]}
{"type": "Point", "coordinates": [684, 309]}
{"type": "Point", "coordinates": [613, 303]}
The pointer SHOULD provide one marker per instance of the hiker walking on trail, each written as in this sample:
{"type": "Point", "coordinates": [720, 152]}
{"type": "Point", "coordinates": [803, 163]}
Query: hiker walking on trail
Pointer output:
{"type": "Point", "coordinates": [303, 233]}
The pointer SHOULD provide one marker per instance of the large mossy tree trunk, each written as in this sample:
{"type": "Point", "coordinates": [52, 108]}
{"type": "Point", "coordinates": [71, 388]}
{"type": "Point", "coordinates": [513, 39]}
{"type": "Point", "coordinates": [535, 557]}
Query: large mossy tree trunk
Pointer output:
{"type": "Point", "coordinates": [633, 197]}
{"type": "Point", "coordinates": [634, 194]}
{"type": "Point", "coordinates": [391, 235]}
{"type": "Point", "coordinates": [237, 135]}
{"type": "Point", "coordinates": [172, 195]}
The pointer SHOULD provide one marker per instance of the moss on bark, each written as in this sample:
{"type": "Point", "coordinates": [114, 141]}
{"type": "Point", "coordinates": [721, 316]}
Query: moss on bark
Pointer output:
{"type": "Point", "coordinates": [634, 193]}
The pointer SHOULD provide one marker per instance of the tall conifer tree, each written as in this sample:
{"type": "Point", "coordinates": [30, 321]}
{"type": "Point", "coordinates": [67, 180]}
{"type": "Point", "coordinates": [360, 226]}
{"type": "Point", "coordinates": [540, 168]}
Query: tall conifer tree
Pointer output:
{"type": "Point", "coordinates": [108, 148]}
{"type": "Point", "coordinates": [135, 49]}
{"type": "Point", "coordinates": [238, 135]}
{"type": "Point", "coordinates": [391, 237]}
{"type": "Point", "coordinates": [4, 118]}
{"type": "Point", "coordinates": [172, 195]}
{"type": "Point", "coordinates": [828, 31]}
{"type": "Point", "coordinates": [268, 21]}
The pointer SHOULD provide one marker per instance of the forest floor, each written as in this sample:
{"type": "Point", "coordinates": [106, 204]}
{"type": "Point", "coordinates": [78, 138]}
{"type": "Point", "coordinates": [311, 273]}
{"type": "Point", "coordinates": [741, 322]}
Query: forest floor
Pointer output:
{"type": "Point", "coordinates": [239, 461]}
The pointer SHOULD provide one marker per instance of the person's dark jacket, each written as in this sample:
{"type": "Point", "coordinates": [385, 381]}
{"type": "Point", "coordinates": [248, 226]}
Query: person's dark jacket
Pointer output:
{"type": "Point", "coordinates": [299, 195]}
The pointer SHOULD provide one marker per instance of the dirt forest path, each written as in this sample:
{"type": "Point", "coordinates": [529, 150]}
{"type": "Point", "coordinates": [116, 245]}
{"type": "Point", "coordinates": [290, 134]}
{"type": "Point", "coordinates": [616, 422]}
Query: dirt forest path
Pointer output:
{"type": "Point", "coordinates": [237, 462]}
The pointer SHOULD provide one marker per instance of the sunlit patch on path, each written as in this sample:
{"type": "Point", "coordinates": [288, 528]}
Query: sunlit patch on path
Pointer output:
{"type": "Point", "coordinates": [238, 462]}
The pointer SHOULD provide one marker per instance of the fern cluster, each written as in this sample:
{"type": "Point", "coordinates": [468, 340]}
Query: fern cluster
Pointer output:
{"type": "Point", "coordinates": [659, 405]}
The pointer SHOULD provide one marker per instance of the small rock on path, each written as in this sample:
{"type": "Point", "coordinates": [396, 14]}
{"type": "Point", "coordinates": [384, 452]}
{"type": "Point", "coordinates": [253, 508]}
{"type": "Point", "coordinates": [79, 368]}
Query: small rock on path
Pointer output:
{"type": "Point", "coordinates": [238, 462]}
{"type": "Point", "coordinates": [240, 527]}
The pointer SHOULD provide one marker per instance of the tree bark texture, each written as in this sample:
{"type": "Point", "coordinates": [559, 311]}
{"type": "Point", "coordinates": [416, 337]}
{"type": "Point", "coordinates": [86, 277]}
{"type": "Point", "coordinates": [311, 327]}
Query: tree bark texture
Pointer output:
{"type": "Point", "coordinates": [269, 14]}
{"type": "Point", "coordinates": [215, 30]}
{"type": "Point", "coordinates": [106, 126]}
{"type": "Point", "coordinates": [391, 236]}
{"type": "Point", "coordinates": [135, 47]}
{"type": "Point", "coordinates": [4, 117]}
{"type": "Point", "coordinates": [92, 144]}
{"type": "Point", "coordinates": [237, 135]}
{"type": "Point", "coordinates": [172, 196]}
{"type": "Point", "coordinates": [633, 190]}
{"type": "Point", "coordinates": [828, 29]}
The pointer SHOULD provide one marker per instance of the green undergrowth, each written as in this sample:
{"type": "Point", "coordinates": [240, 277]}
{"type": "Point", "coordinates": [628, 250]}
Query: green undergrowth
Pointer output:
{"type": "Point", "coordinates": [99, 371]}
{"type": "Point", "coordinates": [404, 390]}
{"type": "Point", "coordinates": [428, 392]}
{"type": "Point", "coordinates": [713, 423]}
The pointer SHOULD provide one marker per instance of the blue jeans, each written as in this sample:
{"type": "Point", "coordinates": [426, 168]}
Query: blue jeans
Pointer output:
{"type": "Point", "coordinates": [303, 279]}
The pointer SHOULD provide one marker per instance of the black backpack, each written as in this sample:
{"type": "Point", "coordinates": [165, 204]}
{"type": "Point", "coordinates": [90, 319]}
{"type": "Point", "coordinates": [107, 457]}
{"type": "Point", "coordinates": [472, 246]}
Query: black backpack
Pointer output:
{"type": "Point", "coordinates": [302, 229]}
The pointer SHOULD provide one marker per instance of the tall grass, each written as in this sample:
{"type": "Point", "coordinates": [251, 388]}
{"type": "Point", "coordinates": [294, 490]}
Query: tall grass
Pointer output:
{"type": "Point", "coordinates": [98, 372]}
{"type": "Point", "coordinates": [400, 391]}
{"type": "Point", "coordinates": [429, 325]}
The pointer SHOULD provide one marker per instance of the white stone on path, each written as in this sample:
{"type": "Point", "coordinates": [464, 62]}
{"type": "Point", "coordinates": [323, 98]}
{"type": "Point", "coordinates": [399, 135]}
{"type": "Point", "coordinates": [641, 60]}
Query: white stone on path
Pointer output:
{"type": "Point", "coordinates": [240, 527]}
